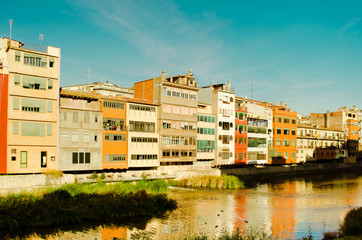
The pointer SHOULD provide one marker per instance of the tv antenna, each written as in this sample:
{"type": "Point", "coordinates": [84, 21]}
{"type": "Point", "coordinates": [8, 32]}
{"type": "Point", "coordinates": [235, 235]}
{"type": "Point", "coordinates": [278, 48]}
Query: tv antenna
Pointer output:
{"type": "Point", "coordinates": [11, 21]}
{"type": "Point", "coordinates": [41, 38]}
{"type": "Point", "coordinates": [89, 72]}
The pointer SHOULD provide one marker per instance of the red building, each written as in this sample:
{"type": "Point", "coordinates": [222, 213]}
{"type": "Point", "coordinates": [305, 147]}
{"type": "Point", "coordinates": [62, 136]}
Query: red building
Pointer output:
{"type": "Point", "coordinates": [241, 138]}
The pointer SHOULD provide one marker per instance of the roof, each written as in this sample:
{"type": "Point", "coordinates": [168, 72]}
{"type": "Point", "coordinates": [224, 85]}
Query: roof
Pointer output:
{"type": "Point", "coordinates": [78, 94]}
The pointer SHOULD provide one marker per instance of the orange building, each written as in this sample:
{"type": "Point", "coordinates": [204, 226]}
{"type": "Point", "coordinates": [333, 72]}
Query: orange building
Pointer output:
{"type": "Point", "coordinates": [284, 147]}
{"type": "Point", "coordinates": [353, 129]}
{"type": "Point", "coordinates": [241, 135]}
{"type": "Point", "coordinates": [4, 78]}
{"type": "Point", "coordinates": [114, 133]}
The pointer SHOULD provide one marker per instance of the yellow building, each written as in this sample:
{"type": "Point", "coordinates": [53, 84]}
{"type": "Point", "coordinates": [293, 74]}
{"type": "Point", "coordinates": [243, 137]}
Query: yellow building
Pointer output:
{"type": "Point", "coordinates": [29, 106]}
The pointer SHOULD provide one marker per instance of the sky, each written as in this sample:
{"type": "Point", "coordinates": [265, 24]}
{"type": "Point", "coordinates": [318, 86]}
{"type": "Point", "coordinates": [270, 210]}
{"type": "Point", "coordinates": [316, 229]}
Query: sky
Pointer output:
{"type": "Point", "coordinates": [307, 54]}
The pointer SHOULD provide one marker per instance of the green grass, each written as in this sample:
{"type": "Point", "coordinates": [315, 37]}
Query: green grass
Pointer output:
{"type": "Point", "coordinates": [78, 203]}
{"type": "Point", "coordinates": [220, 182]}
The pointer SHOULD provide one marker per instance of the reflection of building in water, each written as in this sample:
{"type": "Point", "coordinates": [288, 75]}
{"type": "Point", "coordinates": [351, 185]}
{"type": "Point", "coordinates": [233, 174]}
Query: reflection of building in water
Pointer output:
{"type": "Point", "coordinates": [110, 233]}
{"type": "Point", "coordinates": [240, 211]}
{"type": "Point", "coordinates": [283, 211]}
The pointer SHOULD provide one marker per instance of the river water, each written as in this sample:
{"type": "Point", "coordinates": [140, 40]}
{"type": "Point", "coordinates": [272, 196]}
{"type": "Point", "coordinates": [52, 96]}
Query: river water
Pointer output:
{"type": "Point", "coordinates": [290, 209]}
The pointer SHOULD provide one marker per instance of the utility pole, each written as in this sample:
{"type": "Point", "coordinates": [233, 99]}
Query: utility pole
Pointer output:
{"type": "Point", "coordinates": [251, 87]}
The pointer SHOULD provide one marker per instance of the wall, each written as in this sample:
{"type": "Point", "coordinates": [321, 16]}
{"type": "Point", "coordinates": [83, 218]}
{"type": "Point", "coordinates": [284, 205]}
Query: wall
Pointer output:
{"type": "Point", "coordinates": [3, 121]}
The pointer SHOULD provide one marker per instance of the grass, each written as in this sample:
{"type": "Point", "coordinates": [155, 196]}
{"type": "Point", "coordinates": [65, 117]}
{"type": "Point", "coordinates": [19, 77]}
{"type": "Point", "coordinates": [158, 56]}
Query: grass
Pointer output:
{"type": "Point", "coordinates": [78, 203]}
{"type": "Point", "coordinates": [220, 182]}
{"type": "Point", "coordinates": [238, 234]}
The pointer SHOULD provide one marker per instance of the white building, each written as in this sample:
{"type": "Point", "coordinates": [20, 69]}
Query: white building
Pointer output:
{"type": "Point", "coordinates": [205, 133]}
{"type": "Point", "coordinates": [222, 99]}
{"type": "Point", "coordinates": [260, 134]}
{"type": "Point", "coordinates": [143, 141]}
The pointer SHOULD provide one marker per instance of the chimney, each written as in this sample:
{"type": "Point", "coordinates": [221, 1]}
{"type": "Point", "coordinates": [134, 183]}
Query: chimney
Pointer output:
{"type": "Point", "coordinates": [327, 120]}
{"type": "Point", "coordinates": [190, 72]}
{"type": "Point", "coordinates": [281, 104]}
{"type": "Point", "coordinates": [286, 107]}
{"type": "Point", "coordinates": [163, 74]}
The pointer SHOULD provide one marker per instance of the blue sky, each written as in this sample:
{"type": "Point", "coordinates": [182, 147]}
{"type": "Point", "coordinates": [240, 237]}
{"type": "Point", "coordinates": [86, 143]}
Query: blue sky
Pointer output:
{"type": "Point", "coordinates": [307, 54]}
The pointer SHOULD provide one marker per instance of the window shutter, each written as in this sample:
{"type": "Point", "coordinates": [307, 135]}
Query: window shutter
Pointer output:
{"type": "Point", "coordinates": [49, 129]}
{"type": "Point", "coordinates": [16, 79]}
{"type": "Point", "coordinates": [42, 106]}
{"type": "Point", "coordinates": [15, 103]}
{"type": "Point", "coordinates": [15, 128]}
{"type": "Point", "coordinates": [49, 106]}
{"type": "Point", "coordinates": [50, 84]}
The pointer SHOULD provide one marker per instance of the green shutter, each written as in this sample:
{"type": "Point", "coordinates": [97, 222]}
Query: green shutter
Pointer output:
{"type": "Point", "coordinates": [42, 106]}
{"type": "Point", "coordinates": [15, 103]}
{"type": "Point", "coordinates": [16, 79]}
{"type": "Point", "coordinates": [50, 83]}
{"type": "Point", "coordinates": [51, 59]}
{"type": "Point", "coordinates": [15, 128]}
{"type": "Point", "coordinates": [50, 106]}
{"type": "Point", "coordinates": [49, 129]}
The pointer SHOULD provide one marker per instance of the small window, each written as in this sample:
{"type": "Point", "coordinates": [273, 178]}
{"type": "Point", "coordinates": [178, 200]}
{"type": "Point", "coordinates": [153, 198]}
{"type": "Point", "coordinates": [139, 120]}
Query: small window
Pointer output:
{"type": "Point", "coordinates": [95, 138]}
{"type": "Point", "coordinates": [13, 158]}
{"type": "Point", "coordinates": [51, 62]}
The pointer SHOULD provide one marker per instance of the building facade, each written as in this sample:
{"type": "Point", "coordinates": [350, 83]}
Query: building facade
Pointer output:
{"type": "Point", "coordinates": [284, 147]}
{"type": "Point", "coordinates": [205, 133]}
{"type": "Point", "coordinates": [103, 88]}
{"type": "Point", "coordinates": [80, 131]}
{"type": "Point", "coordinates": [310, 138]}
{"type": "Point", "coordinates": [222, 99]}
{"type": "Point", "coordinates": [241, 133]}
{"type": "Point", "coordinates": [29, 107]}
{"type": "Point", "coordinates": [177, 115]}
{"type": "Point", "coordinates": [143, 138]}
{"type": "Point", "coordinates": [114, 133]}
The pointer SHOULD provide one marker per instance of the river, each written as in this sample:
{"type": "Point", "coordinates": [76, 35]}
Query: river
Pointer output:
{"type": "Point", "coordinates": [290, 209]}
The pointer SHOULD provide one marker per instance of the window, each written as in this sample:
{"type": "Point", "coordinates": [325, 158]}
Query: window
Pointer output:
{"type": "Point", "coordinates": [114, 137]}
{"type": "Point", "coordinates": [293, 122]}
{"type": "Point", "coordinates": [75, 137]}
{"type": "Point", "coordinates": [86, 137]}
{"type": "Point", "coordinates": [279, 142]}
{"type": "Point", "coordinates": [95, 138]}
{"type": "Point", "coordinates": [49, 106]}
{"type": "Point", "coordinates": [17, 56]}
{"type": "Point", "coordinates": [33, 59]}
{"type": "Point", "coordinates": [286, 142]}
{"type": "Point", "coordinates": [279, 119]}
{"type": "Point", "coordinates": [32, 105]}
{"type": "Point", "coordinates": [75, 117]}
{"type": "Point", "coordinates": [144, 156]}
{"type": "Point", "coordinates": [86, 117]}
{"type": "Point", "coordinates": [286, 120]}
{"type": "Point", "coordinates": [115, 124]}
{"type": "Point", "coordinates": [16, 80]}
{"type": "Point", "coordinates": [117, 105]}
{"type": "Point", "coordinates": [81, 157]}
{"type": "Point", "coordinates": [15, 128]}
{"type": "Point", "coordinates": [293, 155]}
{"type": "Point", "coordinates": [95, 118]}
{"type": "Point", "coordinates": [23, 159]}
{"type": "Point", "coordinates": [286, 131]}
{"type": "Point", "coordinates": [50, 84]}
{"type": "Point", "coordinates": [115, 157]}
{"type": "Point", "coordinates": [293, 143]}
{"type": "Point", "coordinates": [51, 62]}
{"type": "Point", "coordinates": [286, 155]}
{"type": "Point", "coordinates": [33, 129]}
{"type": "Point", "coordinates": [15, 103]}
{"type": "Point", "coordinates": [293, 131]}
{"type": "Point", "coordinates": [33, 82]}
{"type": "Point", "coordinates": [136, 126]}
{"type": "Point", "coordinates": [49, 129]}
{"type": "Point", "coordinates": [279, 131]}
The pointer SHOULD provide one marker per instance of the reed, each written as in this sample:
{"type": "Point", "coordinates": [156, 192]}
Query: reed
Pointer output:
{"type": "Point", "coordinates": [78, 203]}
{"type": "Point", "coordinates": [220, 182]}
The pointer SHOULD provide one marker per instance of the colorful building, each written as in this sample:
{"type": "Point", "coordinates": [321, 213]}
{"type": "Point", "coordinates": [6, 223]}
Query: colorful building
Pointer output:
{"type": "Point", "coordinates": [222, 99]}
{"type": "Point", "coordinates": [177, 115]}
{"type": "Point", "coordinates": [80, 131]}
{"type": "Point", "coordinates": [29, 107]}
{"type": "Point", "coordinates": [205, 133]}
{"type": "Point", "coordinates": [114, 133]}
{"type": "Point", "coordinates": [143, 138]}
{"type": "Point", "coordinates": [284, 147]}
{"type": "Point", "coordinates": [241, 133]}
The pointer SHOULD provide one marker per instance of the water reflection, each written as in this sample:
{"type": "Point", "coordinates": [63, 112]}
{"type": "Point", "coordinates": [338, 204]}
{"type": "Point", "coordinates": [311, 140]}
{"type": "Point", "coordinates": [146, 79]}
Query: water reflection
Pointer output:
{"type": "Point", "coordinates": [286, 210]}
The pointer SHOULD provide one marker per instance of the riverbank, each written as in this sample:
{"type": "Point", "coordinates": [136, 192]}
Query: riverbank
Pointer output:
{"type": "Point", "coordinates": [270, 174]}
{"type": "Point", "coordinates": [81, 203]}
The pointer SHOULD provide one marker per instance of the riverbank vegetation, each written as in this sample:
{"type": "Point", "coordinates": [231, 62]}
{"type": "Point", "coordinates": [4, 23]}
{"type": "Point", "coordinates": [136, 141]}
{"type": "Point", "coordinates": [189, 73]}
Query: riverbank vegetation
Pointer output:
{"type": "Point", "coordinates": [220, 182]}
{"type": "Point", "coordinates": [78, 203]}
